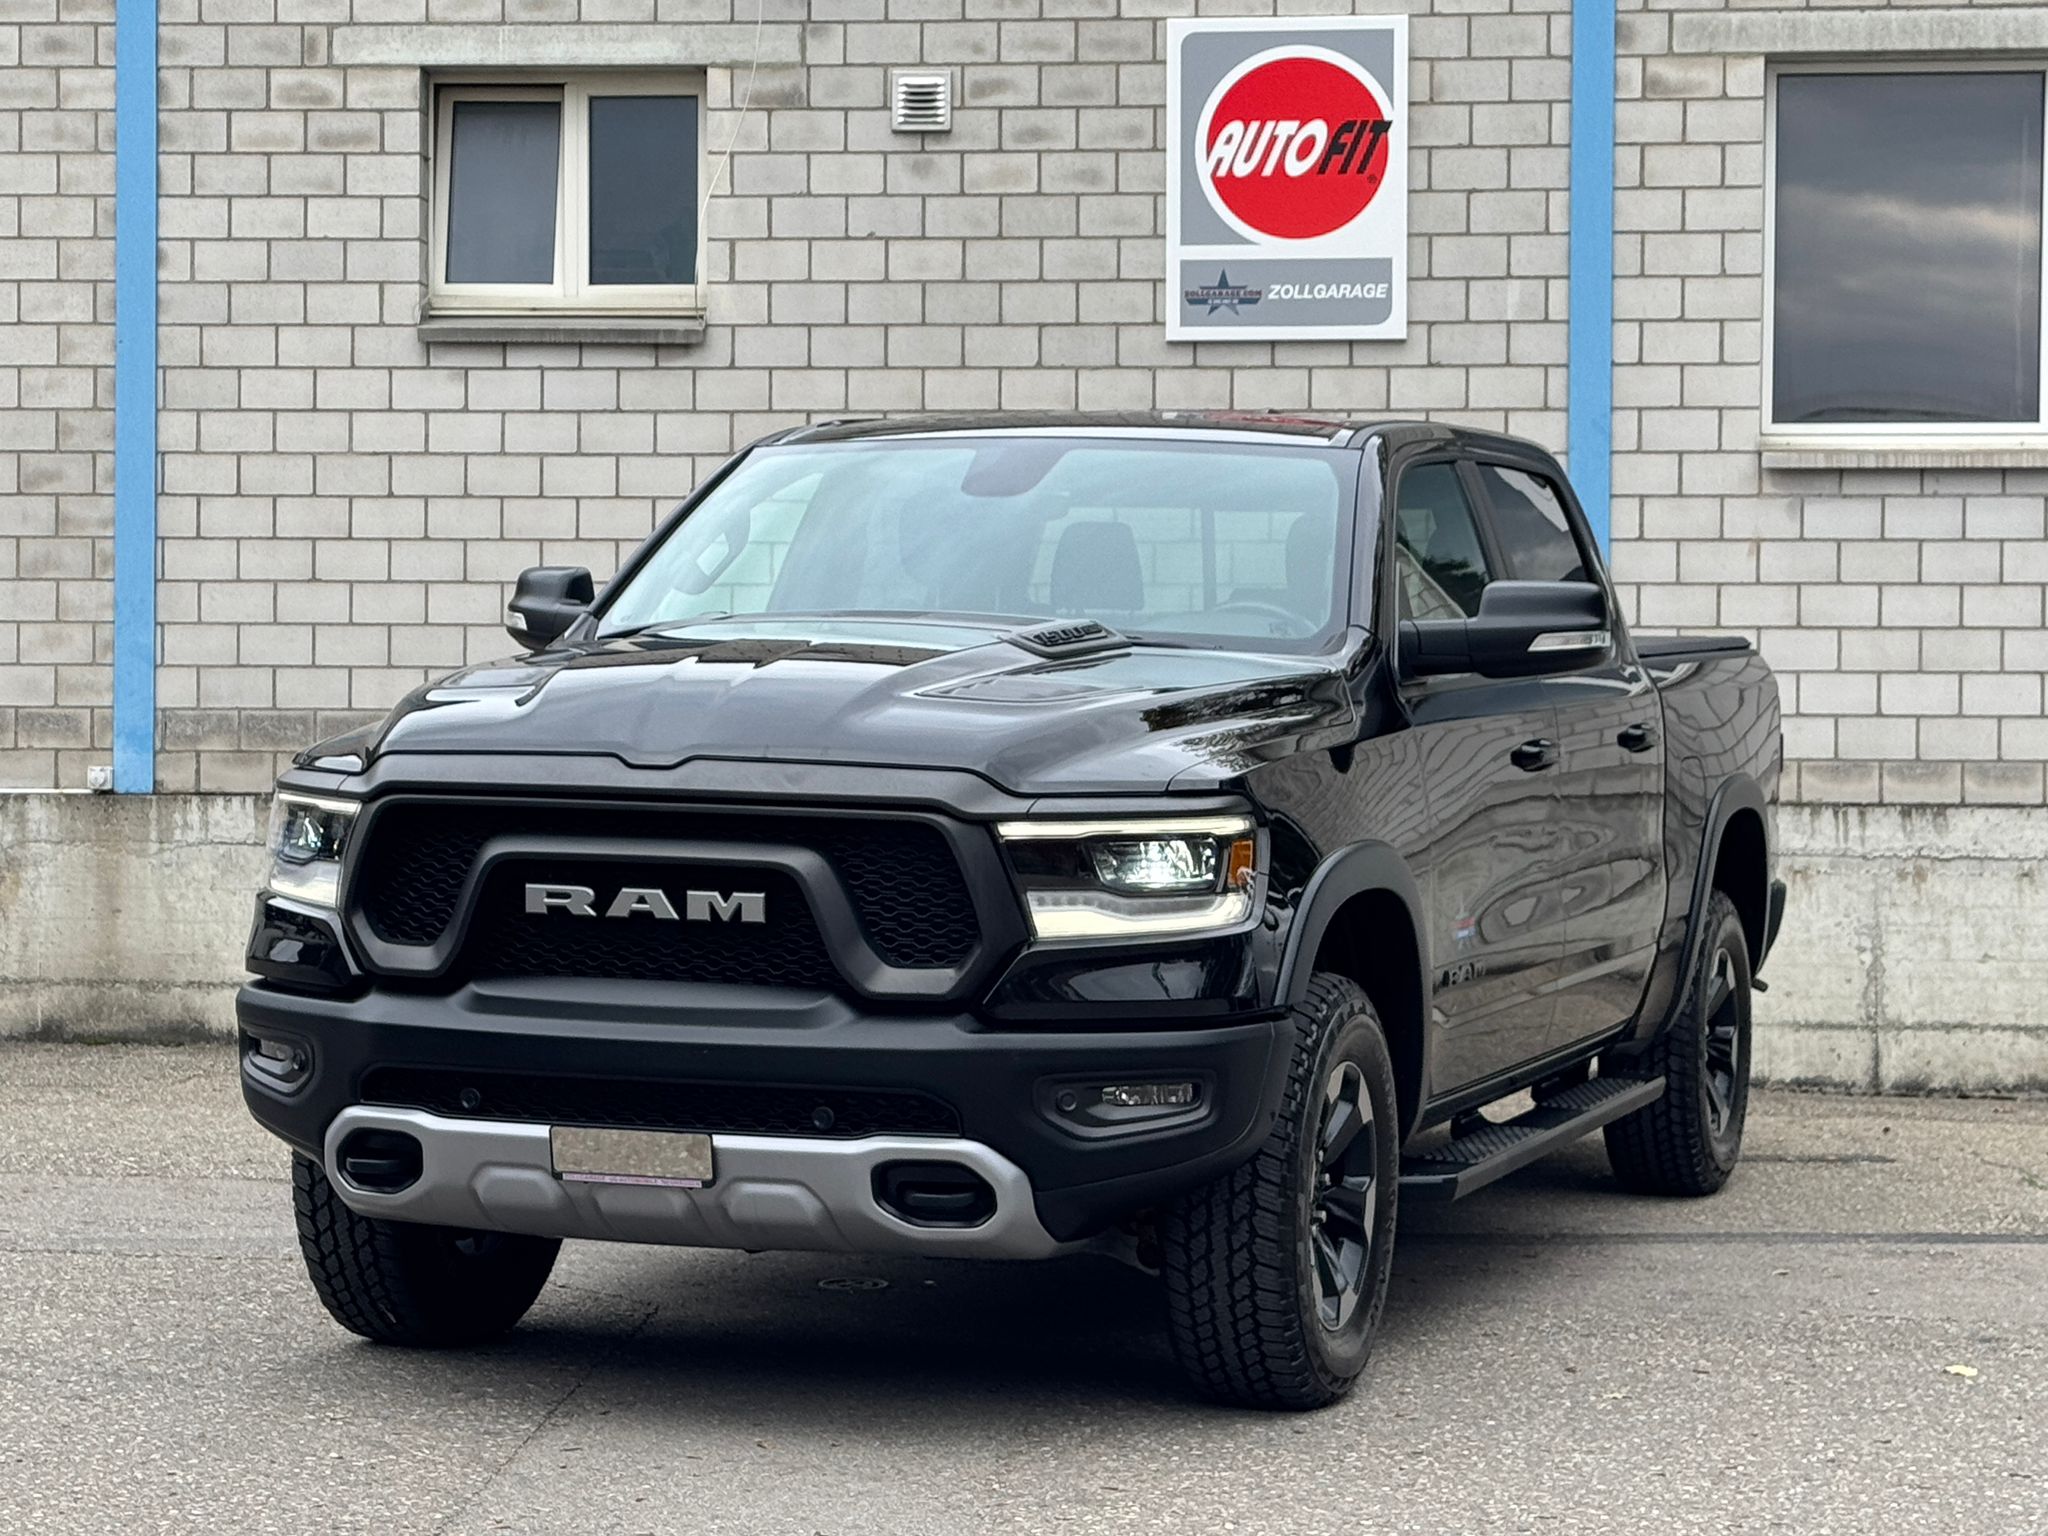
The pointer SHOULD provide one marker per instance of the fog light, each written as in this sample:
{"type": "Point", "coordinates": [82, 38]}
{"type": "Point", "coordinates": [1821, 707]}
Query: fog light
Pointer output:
{"type": "Point", "coordinates": [283, 1064]}
{"type": "Point", "coordinates": [1115, 1109]}
{"type": "Point", "coordinates": [1148, 1095]}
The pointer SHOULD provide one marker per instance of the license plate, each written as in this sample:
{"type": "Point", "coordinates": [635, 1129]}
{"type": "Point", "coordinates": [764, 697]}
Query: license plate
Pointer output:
{"type": "Point", "coordinates": [666, 1159]}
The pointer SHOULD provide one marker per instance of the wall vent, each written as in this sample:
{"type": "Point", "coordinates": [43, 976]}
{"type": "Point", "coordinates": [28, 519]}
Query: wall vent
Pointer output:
{"type": "Point", "coordinates": [920, 100]}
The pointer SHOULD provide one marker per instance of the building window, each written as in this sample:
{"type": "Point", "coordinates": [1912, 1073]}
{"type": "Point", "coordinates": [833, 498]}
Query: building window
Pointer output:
{"type": "Point", "coordinates": [1906, 250]}
{"type": "Point", "coordinates": [579, 195]}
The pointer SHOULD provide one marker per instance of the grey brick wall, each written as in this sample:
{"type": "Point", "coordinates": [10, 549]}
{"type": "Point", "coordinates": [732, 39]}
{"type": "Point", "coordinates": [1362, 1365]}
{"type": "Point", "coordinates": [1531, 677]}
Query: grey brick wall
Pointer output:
{"type": "Point", "coordinates": [343, 501]}
{"type": "Point", "coordinates": [1899, 596]}
{"type": "Point", "coordinates": [56, 385]}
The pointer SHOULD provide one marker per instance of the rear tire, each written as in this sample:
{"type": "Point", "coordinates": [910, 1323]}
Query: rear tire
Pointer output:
{"type": "Point", "coordinates": [1276, 1273]}
{"type": "Point", "coordinates": [1688, 1142]}
{"type": "Point", "coordinates": [401, 1282]}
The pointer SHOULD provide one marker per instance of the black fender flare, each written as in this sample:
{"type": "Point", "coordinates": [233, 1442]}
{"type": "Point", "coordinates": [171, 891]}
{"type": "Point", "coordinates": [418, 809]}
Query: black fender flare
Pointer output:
{"type": "Point", "coordinates": [1356, 870]}
{"type": "Point", "coordinates": [1738, 792]}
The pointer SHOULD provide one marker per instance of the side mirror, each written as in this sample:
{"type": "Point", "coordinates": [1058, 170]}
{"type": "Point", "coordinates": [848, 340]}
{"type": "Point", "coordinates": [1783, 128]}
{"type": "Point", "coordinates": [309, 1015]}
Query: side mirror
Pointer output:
{"type": "Point", "coordinates": [1524, 629]}
{"type": "Point", "coordinates": [546, 601]}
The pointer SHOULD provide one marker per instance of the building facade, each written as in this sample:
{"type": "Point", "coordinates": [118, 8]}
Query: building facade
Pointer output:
{"type": "Point", "coordinates": [429, 309]}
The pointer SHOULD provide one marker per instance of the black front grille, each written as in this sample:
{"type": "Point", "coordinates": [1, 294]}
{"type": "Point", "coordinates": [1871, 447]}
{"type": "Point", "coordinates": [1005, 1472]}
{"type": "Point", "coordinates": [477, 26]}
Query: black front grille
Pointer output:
{"type": "Point", "coordinates": [411, 882]}
{"type": "Point", "coordinates": [785, 949]}
{"type": "Point", "coordinates": [904, 882]}
{"type": "Point", "coordinates": [907, 890]}
{"type": "Point", "coordinates": [731, 1108]}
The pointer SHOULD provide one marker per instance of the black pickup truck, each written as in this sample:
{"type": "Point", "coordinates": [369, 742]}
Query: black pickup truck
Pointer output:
{"type": "Point", "coordinates": [1184, 836]}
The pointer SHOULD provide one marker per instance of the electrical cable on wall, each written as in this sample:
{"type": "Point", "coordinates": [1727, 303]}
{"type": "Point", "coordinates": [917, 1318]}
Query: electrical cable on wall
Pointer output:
{"type": "Point", "coordinates": [746, 102]}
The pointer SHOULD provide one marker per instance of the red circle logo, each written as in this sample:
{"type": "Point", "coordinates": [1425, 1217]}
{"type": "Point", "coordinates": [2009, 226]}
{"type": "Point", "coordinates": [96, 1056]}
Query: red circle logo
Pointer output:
{"type": "Point", "coordinates": [1293, 144]}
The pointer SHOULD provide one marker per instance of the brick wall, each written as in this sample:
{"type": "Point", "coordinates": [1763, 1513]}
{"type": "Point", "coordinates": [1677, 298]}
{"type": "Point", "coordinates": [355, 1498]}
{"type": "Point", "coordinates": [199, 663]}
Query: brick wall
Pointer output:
{"type": "Point", "coordinates": [1898, 595]}
{"type": "Point", "coordinates": [344, 501]}
{"type": "Point", "coordinates": [56, 386]}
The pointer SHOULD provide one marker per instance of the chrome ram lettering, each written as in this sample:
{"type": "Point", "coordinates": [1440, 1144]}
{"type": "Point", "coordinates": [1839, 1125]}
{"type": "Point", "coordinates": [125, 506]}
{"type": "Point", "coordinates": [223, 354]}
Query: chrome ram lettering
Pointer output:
{"type": "Point", "coordinates": [747, 906]}
{"type": "Point", "coordinates": [569, 898]}
{"type": "Point", "coordinates": [646, 899]}
{"type": "Point", "coordinates": [634, 900]}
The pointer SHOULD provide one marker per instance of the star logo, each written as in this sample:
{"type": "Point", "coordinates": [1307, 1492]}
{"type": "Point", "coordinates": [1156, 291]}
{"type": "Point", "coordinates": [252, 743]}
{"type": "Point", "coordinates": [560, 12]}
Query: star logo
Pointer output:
{"type": "Point", "coordinates": [1222, 295]}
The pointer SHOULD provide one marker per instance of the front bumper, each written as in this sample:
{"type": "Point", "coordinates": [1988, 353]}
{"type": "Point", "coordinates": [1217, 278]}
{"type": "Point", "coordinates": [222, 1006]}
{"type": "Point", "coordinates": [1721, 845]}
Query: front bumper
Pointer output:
{"type": "Point", "coordinates": [1069, 1182]}
{"type": "Point", "coordinates": [771, 1192]}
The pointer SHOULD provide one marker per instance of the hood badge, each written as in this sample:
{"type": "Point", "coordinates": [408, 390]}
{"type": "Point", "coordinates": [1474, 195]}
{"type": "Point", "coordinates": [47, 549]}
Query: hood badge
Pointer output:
{"type": "Point", "coordinates": [1067, 637]}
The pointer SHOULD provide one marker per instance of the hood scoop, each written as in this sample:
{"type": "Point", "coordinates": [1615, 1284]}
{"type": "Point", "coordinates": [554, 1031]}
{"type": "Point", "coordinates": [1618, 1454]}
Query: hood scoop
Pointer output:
{"type": "Point", "coordinates": [1067, 637]}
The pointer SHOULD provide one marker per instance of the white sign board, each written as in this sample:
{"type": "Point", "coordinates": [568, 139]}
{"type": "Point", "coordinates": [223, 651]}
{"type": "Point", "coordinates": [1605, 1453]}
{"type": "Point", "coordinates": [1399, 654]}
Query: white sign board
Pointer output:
{"type": "Point", "coordinates": [1287, 179]}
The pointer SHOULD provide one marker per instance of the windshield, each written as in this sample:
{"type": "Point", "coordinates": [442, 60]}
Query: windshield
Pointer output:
{"type": "Point", "coordinates": [1201, 543]}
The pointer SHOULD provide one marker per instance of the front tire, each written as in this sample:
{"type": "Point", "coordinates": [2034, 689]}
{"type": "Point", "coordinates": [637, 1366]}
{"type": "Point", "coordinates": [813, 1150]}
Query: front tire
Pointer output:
{"type": "Point", "coordinates": [402, 1282]}
{"type": "Point", "coordinates": [1276, 1273]}
{"type": "Point", "coordinates": [1688, 1142]}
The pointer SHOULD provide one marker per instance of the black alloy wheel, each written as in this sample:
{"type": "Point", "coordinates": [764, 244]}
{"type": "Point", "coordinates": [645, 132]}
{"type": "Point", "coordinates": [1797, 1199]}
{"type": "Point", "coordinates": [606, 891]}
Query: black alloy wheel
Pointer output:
{"type": "Point", "coordinates": [1277, 1271]}
{"type": "Point", "coordinates": [1346, 1198]}
{"type": "Point", "coordinates": [1689, 1141]}
{"type": "Point", "coordinates": [1724, 1070]}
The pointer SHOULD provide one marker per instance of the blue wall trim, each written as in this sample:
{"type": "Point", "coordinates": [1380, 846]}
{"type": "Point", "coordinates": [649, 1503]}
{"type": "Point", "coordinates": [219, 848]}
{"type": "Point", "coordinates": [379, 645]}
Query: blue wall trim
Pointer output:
{"type": "Point", "coordinates": [1590, 343]}
{"type": "Point", "coordinates": [135, 101]}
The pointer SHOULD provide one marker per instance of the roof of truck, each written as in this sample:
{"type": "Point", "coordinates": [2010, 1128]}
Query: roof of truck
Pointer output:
{"type": "Point", "coordinates": [1304, 426]}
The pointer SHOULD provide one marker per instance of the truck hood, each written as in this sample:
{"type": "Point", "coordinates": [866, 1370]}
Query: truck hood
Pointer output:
{"type": "Point", "coordinates": [890, 693]}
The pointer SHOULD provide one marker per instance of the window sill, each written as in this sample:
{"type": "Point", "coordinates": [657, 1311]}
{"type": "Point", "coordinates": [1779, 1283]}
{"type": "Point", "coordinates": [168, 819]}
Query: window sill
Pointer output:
{"type": "Point", "coordinates": [1786, 451]}
{"type": "Point", "coordinates": [566, 329]}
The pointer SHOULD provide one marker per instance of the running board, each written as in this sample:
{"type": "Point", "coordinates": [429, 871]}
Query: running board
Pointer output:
{"type": "Point", "coordinates": [1476, 1159]}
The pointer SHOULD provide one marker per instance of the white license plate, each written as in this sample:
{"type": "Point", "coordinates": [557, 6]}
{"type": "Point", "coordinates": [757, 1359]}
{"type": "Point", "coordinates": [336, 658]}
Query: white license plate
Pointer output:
{"type": "Point", "coordinates": [666, 1159]}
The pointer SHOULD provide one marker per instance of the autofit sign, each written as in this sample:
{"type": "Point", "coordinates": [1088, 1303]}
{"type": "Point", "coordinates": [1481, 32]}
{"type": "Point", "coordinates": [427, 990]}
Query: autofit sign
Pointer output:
{"type": "Point", "coordinates": [1287, 179]}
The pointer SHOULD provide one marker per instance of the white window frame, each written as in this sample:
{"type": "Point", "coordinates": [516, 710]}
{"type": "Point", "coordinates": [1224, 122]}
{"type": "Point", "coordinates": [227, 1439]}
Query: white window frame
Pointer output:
{"type": "Point", "coordinates": [570, 292]}
{"type": "Point", "coordinates": [1878, 434]}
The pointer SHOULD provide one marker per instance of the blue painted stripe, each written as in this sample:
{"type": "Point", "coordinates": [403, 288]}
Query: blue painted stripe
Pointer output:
{"type": "Point", "coordinates": [135, 101]}
{"type": "Point", "coordinates": [1590, 343]}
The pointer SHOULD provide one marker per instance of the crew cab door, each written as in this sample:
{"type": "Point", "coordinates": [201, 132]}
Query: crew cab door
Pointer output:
{"type": "Point", "coordinates": [1487, 750]}
{"type": "Point", "coordinates": [1610, 784]}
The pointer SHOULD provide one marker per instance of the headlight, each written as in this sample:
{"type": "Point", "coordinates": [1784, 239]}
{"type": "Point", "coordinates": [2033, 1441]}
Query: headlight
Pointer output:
{"type": "Point", "coordinates": [307, 839]}
{"type": "Point", "coordinates": [1135, 879]}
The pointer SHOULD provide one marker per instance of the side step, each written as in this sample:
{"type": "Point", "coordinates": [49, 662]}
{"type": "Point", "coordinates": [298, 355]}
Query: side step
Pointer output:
{"type": "Point", "coordinates": [1476, 1159]}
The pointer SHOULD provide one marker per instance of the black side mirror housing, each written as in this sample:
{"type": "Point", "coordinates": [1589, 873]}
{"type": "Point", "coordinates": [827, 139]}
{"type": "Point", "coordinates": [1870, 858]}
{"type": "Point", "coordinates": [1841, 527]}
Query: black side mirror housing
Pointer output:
{"type": "Point", "coordinates": [546, 601]}
{"type": "Point", "coordinates": [1523, 629]}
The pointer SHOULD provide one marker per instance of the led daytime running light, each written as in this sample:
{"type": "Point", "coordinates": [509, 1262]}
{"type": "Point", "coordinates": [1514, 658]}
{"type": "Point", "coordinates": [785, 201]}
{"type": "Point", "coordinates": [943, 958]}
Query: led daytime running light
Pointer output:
{"type": "Point", "coordinates": [1189, 826]}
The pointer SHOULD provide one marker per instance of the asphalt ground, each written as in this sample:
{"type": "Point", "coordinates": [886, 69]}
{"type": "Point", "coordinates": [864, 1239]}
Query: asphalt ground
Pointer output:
{"type": "Point", "coordinates": [1853, 1337]}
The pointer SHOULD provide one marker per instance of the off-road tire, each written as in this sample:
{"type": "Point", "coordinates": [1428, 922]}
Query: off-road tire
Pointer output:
{"type": "Point", "coordinates": [1241, 1277]}
{"type": "Point", "coordinates": [401, 1282]}
{"type": "Point", "coordinates": [1679, 1145]}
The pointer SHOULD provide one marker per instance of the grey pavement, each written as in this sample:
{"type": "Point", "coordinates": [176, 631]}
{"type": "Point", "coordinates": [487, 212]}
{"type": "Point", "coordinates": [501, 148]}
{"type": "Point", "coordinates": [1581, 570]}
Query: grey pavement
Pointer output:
{"type": "Point", "coordinates": [1853, 1337]}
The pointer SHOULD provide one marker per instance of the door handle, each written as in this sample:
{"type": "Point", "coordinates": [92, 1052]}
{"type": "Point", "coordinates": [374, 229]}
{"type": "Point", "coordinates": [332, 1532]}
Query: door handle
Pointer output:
{"type": "Point", "coordinates": [1639, 737]}
{"type": "Point", "coordinates": [1531, 756]}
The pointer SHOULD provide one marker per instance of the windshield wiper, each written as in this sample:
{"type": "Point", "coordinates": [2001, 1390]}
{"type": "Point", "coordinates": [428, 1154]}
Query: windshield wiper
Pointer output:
{"type": "Point", "coordinates": [1154, 643]}
{"type": "Point", "coordinates": [799, 616]}
{"type": "Point", "coordinates": [1071, 637]}
{"type": "Point", "coordinates": [654, 624]}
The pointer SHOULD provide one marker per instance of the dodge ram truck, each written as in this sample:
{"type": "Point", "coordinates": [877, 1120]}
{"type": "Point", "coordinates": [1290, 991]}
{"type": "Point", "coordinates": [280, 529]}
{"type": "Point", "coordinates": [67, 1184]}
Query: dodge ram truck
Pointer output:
{"type": "Point", "coordinates": [1184, 836]}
